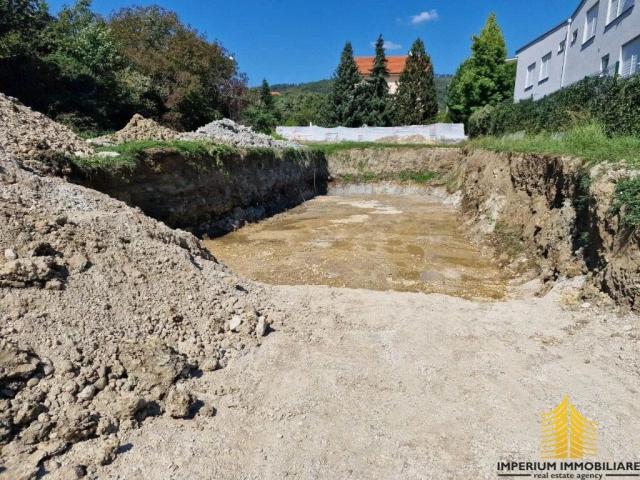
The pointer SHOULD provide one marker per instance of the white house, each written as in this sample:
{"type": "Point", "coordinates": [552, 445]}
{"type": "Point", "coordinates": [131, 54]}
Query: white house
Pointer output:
{"type": "Point", "coordinates": [602, 37]}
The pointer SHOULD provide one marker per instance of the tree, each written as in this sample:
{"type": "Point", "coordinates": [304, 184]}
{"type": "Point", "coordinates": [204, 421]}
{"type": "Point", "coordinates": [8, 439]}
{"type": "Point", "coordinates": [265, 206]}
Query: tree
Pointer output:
{"type": "Point", "coordinates": [302, 108]}
{"type": "Point", "coordinates": [266, 98]}
{"type": "Point", "coordinates": [191, 74]}
{"type": "Point", "coordinates": [415, 102]}
{"type": "Point", "coordinates": [343, 97]}
{"type": "Point", "coordinates": [377, 111]}
{"type": "Point", "coordinates": [262, 114]}
{"type": "Point", "coordinates": [484, 78]}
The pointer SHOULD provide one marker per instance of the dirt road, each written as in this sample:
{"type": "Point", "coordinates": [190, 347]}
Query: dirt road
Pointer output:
{"type": "Point", "coordinates": [387, 385]}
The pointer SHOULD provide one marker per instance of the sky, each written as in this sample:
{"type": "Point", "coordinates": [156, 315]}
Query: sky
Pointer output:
{"type": "Point", "coordinates": [294, 41]}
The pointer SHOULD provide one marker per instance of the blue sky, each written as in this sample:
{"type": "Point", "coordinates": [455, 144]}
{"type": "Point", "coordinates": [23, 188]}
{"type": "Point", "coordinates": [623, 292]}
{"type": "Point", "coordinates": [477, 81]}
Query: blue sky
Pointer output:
{"type": "Point", "coordinates": [292, 41]}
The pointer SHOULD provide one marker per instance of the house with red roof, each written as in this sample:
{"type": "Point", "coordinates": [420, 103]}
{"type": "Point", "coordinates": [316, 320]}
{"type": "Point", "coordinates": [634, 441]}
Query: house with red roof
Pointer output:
{"type": "Point", "coordinates": [395, 65]}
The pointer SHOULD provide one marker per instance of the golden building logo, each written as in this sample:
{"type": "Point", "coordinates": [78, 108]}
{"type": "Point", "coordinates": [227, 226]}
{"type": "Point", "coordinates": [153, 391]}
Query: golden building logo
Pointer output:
{"type": "Point", "coordinates": [566, 433]}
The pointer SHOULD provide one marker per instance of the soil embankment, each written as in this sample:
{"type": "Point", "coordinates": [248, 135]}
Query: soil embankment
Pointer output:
{"type": "Point", "coordinates": [552, 213]}
{"type": "Point", "coordinates": [211, 195]}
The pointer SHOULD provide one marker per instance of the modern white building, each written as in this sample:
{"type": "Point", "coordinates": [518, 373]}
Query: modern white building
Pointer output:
{"type": "Point", "coordinates": [602, 37]}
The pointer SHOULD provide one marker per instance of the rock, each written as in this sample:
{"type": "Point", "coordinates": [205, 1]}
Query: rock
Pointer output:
{"type": "Point", "coordinates": [10, 254]}
{"type": "Point", "coordinates": [210, 365]}
{"type": "Point", "coordinates": [262, 327]}
{"type": "Point", "coordinates": [87, 393]}
{"type": "Point", "coordinates": [108, 154]}
{"type": "Point", "coordinates": [235, 322]}
{"type": "Point", "coordinates": [178, 404]}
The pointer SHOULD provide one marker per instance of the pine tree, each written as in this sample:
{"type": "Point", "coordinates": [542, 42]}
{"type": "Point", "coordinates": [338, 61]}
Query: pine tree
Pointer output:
{"type": "Point", "coordinates": [484, 78]}
{"type": "Point", "coordinates": [415, 101]}
{"type": "Point", "coordinates": [377, 101]}
{"type": "Point", "coordinates": [266, 99]}
{"type": "Point", "coordinates": [344, 101]}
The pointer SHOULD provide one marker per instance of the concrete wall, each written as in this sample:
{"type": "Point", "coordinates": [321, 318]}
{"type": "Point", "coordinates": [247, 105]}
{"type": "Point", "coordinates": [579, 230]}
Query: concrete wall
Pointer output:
{"type": "Point", "coordinates": [439, 132]}
{"type": "Point", "coordinates": [584, 55]}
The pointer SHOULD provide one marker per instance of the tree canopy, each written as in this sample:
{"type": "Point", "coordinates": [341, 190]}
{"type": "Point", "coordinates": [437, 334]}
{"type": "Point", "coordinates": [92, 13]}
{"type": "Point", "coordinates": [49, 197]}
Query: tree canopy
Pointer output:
{"type": "Point", "coordinates": [344, 95]}
{"type": "Point", "coordinates": [376, 101]}
{"type": "Point", "coordinates": [484, 78]}
{"type": "Point", "coordinates": [415, 102]}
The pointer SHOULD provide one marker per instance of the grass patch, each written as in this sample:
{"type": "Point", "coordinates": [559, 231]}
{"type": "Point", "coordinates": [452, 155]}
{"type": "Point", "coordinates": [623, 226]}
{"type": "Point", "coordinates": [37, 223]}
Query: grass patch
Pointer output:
{"type": "Point", "coordinates": [132, 152]}
{"type": "Point", "coordinates": [587, 142]}
{"type": "Point", "coordinates": [626, 202]}
{"type": "Point", "coordinates": [405, 176]}
{"type": "Point", "coordinates": [332, 148]}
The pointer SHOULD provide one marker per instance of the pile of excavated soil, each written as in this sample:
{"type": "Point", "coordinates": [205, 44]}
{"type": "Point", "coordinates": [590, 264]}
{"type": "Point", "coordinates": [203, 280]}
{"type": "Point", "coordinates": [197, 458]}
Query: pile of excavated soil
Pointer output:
{"type": "Point", "coordinates": [138, 128]}
{"type": "Point", "coordinates": [27, 134]}
{"type": "Point", "coordinates": [105, 312]}
{"type": "Point", "coordinates": [230, 133]}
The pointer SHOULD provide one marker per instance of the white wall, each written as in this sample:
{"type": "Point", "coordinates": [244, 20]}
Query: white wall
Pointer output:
{"type": "Point", "coordinates": [533, 54]}
{"type": "Point", "coordinates": [439, 132]}
{"type": "Point", "coordinates": [583, 58]}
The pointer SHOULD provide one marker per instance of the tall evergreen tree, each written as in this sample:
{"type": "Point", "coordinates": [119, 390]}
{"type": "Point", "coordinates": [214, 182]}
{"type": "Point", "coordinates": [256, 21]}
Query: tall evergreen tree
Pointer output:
{"type": "Point", "coordinates": [265, 95]}
{"type": "Point", "coordinates": [484, 78]}
{"type": "Point", "coordinates": [343, 99]}
{"type": "Point", "coordinates": [377, 104]}
{"type": "Point", "coordinates": [415, 102]}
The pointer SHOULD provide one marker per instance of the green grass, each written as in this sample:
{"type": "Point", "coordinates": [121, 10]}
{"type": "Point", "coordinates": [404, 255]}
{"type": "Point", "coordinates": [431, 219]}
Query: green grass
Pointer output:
{"type": "Point", "coordinates": [586, 142]}
{"type": "Point", "coordinates": [405, 176]}
{"type": "Point", "coordinates": [626, 202]}
{"type": "Point", "coordinates": [332, 148]}
{"type": "Point", "coordinates": [132, 152]}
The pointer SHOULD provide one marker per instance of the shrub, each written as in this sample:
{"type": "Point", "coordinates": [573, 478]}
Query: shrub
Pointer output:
{"type": "Point", "coordinates": [480, 121]}
{"type": "Point", "coordinates": [612, 102]}
{"type": "Point", "coordinates": [627, 202]}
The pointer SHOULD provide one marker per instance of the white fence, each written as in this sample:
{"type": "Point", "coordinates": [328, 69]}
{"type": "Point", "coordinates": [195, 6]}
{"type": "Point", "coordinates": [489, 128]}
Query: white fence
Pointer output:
{"type": "Point", "coordinates": [439, 132]}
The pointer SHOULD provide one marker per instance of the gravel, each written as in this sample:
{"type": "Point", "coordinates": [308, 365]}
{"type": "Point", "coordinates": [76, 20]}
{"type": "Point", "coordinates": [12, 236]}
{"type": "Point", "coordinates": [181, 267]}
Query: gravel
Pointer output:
{"type": "Point", "coordinates": [230, 133]}
{"type": "Point", "coordinates": [28, 134]}
{"type": "Point", "coordinates": [103, 313]}
{"type": "Point", "coordinates": [138, 128]}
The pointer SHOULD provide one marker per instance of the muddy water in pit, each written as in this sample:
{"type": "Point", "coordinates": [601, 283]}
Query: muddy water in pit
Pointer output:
{"type": "Point", "coordinates": [378, 242]}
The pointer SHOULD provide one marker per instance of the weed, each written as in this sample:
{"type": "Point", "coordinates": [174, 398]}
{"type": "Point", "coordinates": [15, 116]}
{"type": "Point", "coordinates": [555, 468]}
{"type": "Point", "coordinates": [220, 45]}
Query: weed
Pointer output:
{"type": "Point", "coordinates": [626, 202]}
{"type": "Point", "coordinates": [587, 142]}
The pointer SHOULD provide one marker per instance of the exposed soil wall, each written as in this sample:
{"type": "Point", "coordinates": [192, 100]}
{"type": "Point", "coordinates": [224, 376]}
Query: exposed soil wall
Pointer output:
{"type": "Point", "coordinates": [553, 210]}
{"type": "Point", "coordinates": [214, 195]}
{"type": "Point", "coordinates": [387, 161]}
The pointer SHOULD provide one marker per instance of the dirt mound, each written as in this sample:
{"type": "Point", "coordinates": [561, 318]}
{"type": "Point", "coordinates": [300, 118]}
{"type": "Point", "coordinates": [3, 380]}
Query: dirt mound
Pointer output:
{"type": "Point", "coordinates": [104, 313]}
{"type": "Point", "coordinates": [230, 133]}
{"type": "Point", "coordinates": [138, 128]}
{"type": "Point", "coordinates": [28, 134]}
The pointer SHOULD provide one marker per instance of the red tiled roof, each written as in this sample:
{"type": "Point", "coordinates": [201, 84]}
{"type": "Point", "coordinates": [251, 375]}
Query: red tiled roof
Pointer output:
{"type": "Point", "coordinates": [395, 64]}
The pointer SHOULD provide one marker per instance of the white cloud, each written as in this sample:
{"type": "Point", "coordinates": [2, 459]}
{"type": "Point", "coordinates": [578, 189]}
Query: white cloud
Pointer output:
{"type": "Point", "coordinates": [389, 45]}
{"type": "Point", "coordinates": [424, 17]}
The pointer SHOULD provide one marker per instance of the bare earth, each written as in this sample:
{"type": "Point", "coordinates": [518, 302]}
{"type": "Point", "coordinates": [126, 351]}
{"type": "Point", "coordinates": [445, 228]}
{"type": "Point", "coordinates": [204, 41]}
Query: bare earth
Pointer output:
{"type": "Point", "coordinates": [366, 385]}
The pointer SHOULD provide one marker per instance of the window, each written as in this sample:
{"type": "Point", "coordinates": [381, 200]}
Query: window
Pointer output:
{"type": "Point", "coordinates": [617, 8]}
{"type": "Point", "coordinates": [530, 71]}
{"type": "Point", "coordinates": [544, 67]}
{"type": "Point", "coordinates": [574, 37]}
{"type": "Point", "coordinates": [562, 46]}
{"type": "Point", "coordinates": [604, 64]}
{"type": "Point", "coordinates": [631, 58]}
{"type": "Point", "coordinates": [590, 24]}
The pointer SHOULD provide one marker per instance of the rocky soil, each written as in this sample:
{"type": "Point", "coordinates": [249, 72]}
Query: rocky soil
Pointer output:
{"type": "Point", "coordinates": [388, 385]}
{"type": "Point", "coordinates": [230, 133]}
{"type": "Point", "coordinates": [28, 134]}
{"type": "Point", "coordinates": [105, 313]}
{"type": "Point", "coordinates": [138, 128]}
